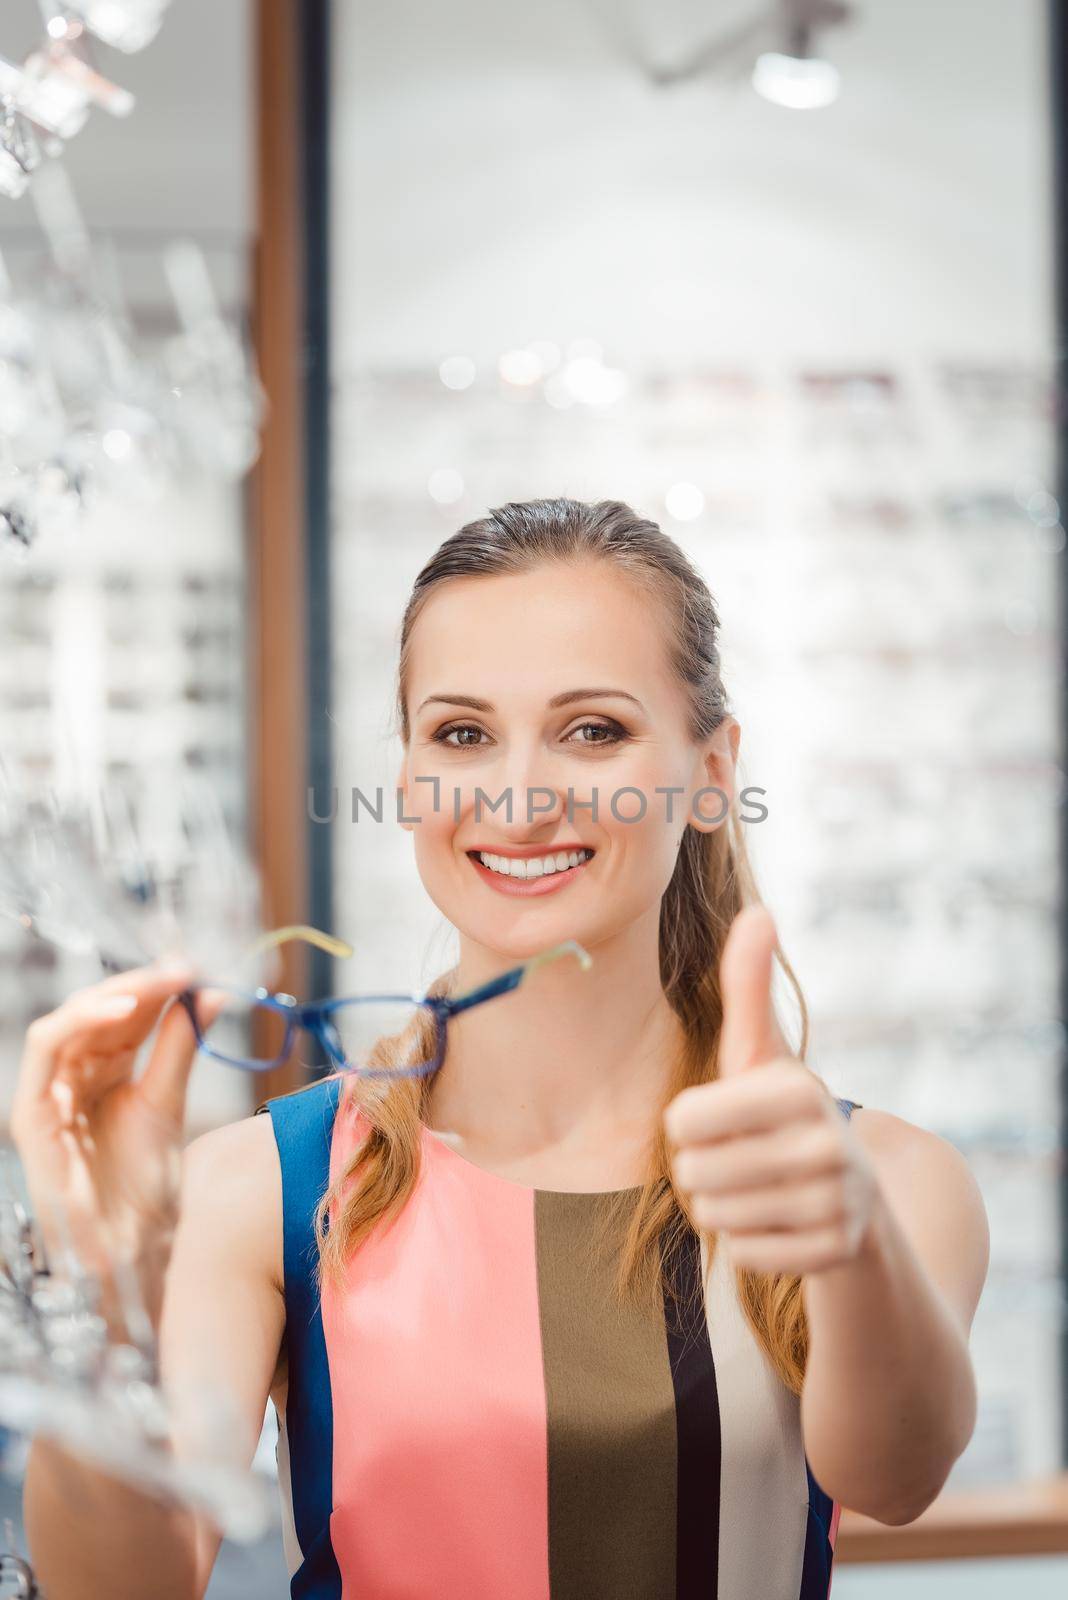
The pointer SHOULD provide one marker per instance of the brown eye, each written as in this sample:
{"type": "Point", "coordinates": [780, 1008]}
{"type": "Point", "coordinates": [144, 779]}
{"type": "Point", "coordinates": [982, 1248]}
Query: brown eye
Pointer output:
{"type": "Point", "coordinates": [443, 735]}
{"type": "Point", "coordinates": [606, 733]}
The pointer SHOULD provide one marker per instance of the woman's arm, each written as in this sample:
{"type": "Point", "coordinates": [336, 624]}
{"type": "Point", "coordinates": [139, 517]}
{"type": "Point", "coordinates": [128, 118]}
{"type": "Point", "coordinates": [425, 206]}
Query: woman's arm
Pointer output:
{"type": "Point", "coordinates": [889, 1397]}
{"type": "Point", "coordinates": [221, 1328]}
{"type": "Point", "coordinates": [882, 1222]}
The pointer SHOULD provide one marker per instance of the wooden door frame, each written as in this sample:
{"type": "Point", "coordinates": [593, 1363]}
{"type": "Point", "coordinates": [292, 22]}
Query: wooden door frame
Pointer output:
{"type": "Point", "coordinates": [288, 495]}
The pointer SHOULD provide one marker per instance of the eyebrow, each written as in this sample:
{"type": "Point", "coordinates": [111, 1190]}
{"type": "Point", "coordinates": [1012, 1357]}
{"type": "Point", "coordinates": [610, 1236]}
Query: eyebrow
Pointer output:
{"type": "Point", "coordinates": [564, 699]}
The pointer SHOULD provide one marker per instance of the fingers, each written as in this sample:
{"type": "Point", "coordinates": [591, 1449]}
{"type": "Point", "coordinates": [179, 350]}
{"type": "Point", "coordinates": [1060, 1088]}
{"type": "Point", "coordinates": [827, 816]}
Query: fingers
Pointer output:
{"type": "Point", "coordinates": [164, 1083]}
{"type": "Point", "coordinates": [781, 1093]}
{"type": "Point", "coordinates": [750, 1035]}
{"type": "Point", "coordinates": [783, 1156]}
{"type": "Point", "coordinates": [101, 1020]}
{"type": "Point", "coordinates": [792, 1253]}
{"type": "Point", "coordinates": [62, 1198]}
{"type": "Point", "coordinates": [817, 1203]}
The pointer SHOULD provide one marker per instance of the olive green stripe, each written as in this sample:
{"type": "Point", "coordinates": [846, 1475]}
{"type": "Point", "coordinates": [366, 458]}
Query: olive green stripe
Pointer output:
{"type": "Point", "coordinates": [610, 1407]}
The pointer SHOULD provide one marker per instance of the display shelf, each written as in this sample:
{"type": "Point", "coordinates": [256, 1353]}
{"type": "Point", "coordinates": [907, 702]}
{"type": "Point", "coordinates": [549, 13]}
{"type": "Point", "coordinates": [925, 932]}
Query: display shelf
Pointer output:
{"type": "Point", "coordinates": [1009, 1519]}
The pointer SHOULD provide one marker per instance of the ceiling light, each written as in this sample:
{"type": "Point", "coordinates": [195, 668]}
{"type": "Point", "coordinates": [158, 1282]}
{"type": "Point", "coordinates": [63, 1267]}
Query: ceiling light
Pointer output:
{"type": "Point", "coordinates": [804, 83]}
{"type": "Point", "coordinates": [794, 77]}
{"type": "Point", "coordinates": [520, 367]}
{"type": "Point", "coordinates": [445, 485]}
{"type": "Point", "coordinates": [457, 372]}
{"type": "Point", "coordinates": [684, 501]}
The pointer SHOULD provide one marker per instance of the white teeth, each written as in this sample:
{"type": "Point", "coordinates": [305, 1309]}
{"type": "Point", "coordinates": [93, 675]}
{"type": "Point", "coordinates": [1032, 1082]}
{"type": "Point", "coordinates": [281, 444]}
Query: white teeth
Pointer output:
{"type": "Point", "coordinates": [536, 866]}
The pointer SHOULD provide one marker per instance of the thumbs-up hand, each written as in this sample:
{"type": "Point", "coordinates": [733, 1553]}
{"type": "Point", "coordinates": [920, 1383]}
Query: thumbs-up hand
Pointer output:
{"type": "Point", "coordinates": [763, 1153]}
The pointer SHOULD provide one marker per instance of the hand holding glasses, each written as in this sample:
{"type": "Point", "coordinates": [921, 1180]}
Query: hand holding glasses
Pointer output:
{"type": "Point", "coordinates": [64, 1372]}
{"type": "Point", "coordinates": [101, 1160]}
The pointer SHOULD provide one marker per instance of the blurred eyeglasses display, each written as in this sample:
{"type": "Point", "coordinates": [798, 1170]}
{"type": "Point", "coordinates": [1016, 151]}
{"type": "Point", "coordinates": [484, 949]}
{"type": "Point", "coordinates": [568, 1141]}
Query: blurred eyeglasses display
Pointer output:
{"type": "Point", "coordinates": [17, 1579]}
{"type": "Point", "coordinates": [125, 24]}
{"type": "Point", "coordinates": [19, 151]}
{"type": "Point", "coordinates": [129, 874]}
{"type": "Point", "coordinates": [65, 1376]}
{"type": "Point", "coordinates": [53, 90]}
{"type": "Point", "coordinates": [92, 410]}
{"type": "Point", "coordinates": [57, 85]}
{"type": "Point", "coordinates": [883, 541]}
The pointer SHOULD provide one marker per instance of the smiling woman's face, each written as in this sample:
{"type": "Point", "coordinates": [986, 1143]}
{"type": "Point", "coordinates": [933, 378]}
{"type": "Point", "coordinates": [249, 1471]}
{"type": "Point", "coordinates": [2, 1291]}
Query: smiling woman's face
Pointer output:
{"type": "Point", "coordinates": [515, 644]}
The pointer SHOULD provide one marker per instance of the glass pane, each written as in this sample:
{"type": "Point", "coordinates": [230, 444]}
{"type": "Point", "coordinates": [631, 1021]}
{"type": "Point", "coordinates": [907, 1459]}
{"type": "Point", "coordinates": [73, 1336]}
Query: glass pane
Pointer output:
{"type": "Point", "coordinates": [246, 1031]}
{"type": "Point", "coordinates": [906, 513]}
{"type": "Point", "coordinates": [386, 1035]}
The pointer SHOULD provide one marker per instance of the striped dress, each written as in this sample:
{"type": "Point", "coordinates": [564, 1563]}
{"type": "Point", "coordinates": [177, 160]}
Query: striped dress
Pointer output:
{"type": "Point", "coordinates": [474, 1417]}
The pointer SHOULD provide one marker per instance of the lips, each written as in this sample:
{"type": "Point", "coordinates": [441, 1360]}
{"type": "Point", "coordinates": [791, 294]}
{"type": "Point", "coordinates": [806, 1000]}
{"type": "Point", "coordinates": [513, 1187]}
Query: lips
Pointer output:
{"type": "Point", "coordinates": [550, 883]}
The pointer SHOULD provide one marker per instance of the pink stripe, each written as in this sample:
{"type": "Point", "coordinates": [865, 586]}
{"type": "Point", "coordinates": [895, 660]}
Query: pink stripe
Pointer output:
{"type": "Point", "coordinates": [434, 1348]}
{"type": "Point", "coordinates": [836, 1512]}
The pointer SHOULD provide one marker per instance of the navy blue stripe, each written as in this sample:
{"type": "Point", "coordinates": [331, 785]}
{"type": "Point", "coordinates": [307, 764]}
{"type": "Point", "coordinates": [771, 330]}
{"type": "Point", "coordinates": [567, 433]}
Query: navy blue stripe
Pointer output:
{"type": "Point", "coordinates": [303, 1124]}
{"type": "Point", "coordinates": [819, 1555]}
{"type": "Point", "coordinates": [816, 1571]}
{"type": "Point", "coordinates": [699, 1443]}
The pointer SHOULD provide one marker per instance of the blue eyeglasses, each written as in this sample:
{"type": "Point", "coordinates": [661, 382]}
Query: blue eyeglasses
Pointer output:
{"type": "Point", "coordinates": [373, 1035]}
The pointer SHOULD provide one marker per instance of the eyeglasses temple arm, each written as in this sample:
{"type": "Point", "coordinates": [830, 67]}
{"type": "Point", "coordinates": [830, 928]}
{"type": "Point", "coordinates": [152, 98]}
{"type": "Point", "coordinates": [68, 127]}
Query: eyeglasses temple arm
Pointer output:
{"type": "Point", "coordinates": [322, 941]}
{"type": "Point", "coordinates": [569, 947]}
{"type": "Point", "coordinates": [513, 978]}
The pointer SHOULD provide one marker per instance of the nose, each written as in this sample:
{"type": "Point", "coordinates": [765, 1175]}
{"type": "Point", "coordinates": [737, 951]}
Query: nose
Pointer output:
{"type": "Point", "coordinates": [537, 788]}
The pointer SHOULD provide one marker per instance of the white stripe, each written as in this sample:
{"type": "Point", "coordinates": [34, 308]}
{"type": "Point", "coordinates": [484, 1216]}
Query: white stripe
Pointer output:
{"type": "Point", "coordinates": [290, 1543]}
{"type": "Point", "coordinates": [763, 1501]}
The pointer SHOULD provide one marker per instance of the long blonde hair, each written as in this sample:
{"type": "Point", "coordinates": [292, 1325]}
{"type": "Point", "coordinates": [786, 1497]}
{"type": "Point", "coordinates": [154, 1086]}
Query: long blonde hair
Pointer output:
{"type": "Point", "coordinates": [712, 881]}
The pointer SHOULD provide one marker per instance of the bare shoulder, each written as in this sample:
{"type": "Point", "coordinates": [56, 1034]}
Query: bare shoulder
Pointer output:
{"type": "Point", "coordinates": [250, 1139]}
{"type": "Point", "coordinates": [232, 1182]}
{"type": "Point", "coordinates": [908, 1153]}
{"type": "Point", "coordinates": [936, 1198]}
{"type": "Point", "coordinates": [883, 1130]}
{"type": "Point", "coordinates": [888, 1135]}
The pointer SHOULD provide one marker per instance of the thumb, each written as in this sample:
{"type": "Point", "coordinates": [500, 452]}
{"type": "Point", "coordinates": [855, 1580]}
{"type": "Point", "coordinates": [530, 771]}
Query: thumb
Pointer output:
{"type": "Point", "coordinates": [165, 1080]}
{"type": "Point", "coordinates": [750, 1035]}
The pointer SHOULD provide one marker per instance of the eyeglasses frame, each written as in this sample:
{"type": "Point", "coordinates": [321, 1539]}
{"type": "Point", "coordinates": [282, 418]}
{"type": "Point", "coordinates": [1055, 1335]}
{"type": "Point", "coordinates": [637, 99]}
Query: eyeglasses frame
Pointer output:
{"type": "Point", "coordinates": [314, 1016]}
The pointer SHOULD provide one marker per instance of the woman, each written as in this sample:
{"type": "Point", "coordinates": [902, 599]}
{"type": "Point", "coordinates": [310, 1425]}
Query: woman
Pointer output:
{"type": "Point", "coordinates": [658, 1306]}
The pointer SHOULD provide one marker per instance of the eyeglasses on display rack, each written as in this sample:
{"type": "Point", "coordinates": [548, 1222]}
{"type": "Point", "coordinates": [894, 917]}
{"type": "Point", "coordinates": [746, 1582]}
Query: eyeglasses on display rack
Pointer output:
{"type": "Point", "coordinates": [373, 1035]}
{"type": "Point", "coordinates": [17, 1579]}
{"type": "Point", "coordinates": [16, 1575]}
{"type": "Point", "coordinates": [63, 1376]}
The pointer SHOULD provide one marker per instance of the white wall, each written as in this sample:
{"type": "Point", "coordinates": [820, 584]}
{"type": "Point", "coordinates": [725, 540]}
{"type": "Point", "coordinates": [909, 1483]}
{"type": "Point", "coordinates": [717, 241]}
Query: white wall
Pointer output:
{"type": "Point", "coordinates": [501, 174]}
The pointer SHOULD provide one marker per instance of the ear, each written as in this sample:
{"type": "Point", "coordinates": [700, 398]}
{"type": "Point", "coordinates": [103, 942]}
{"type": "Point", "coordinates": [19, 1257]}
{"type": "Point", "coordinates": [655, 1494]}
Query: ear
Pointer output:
{"type": "Point", "coordinates": [720, 755]}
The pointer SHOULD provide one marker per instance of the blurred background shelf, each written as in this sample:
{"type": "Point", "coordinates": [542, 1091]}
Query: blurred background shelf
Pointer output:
{"type": "Point", "coordinates": [1012, 1519]}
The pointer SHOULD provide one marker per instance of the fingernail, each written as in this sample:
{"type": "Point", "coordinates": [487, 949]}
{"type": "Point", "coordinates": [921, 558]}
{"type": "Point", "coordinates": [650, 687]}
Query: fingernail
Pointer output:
{"type": "Point", "coordinates": [115, 1005]}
